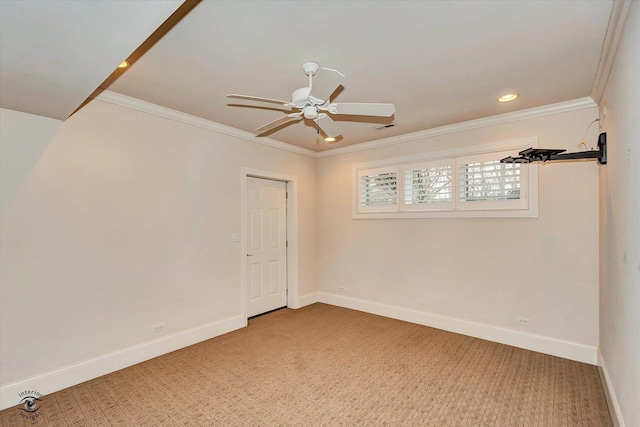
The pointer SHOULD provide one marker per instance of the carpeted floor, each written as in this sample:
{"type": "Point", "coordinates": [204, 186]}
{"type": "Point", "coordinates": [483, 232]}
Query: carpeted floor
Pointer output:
{"type": "Point", "coordinates": [328, 366]}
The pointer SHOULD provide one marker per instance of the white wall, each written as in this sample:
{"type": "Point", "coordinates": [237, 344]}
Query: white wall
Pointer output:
{"type": "Point", "coordinates": [123, 222]}
{"type": "Point", "coordinates": [620, 227]}
{"type": "Point", "coordinates": [483, 271]}
{"type": "Point", "coordinates": [22, 141]}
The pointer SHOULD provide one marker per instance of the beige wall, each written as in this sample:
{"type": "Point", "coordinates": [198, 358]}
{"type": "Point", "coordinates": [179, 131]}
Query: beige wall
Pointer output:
{"type": "Point", "coordinates": [121, 221]}
{"type": "Point", "coordinates": [620, 226]}
{"type": "Point", "coordinates": [486, 271]}
{"type": "Point", "coordinates": [23, 138]}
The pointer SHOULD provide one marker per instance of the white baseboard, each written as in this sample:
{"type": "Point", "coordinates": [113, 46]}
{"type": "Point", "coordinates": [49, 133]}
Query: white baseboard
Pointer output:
{"type": "Point", "coordinates": [612, 400]}
{"type": "Point", "coordinates": [105, 364]}
{"type": "Point", "coordinates": [541, 344]}
{"type": "Point", "coordinates": [307, 299]}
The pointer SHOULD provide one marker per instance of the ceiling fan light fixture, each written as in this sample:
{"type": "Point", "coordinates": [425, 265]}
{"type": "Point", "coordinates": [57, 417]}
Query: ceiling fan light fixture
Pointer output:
{"type": "Point", "coordinates": [508, 97]}
{"type": "Point", "coordinates": [310, 112]}
{"type": "Point", "coordinates": [329, 139]}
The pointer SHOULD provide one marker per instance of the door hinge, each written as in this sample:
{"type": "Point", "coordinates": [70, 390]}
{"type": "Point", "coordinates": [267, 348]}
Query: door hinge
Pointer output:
{"type": "Point", "coordinates": [286, 195]}
{"type": "Point", "coordinates": [287, 244]}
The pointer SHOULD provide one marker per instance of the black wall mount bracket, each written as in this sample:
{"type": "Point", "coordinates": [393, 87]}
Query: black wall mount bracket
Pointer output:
{"type": "Point", "coordinates": [554, 154]}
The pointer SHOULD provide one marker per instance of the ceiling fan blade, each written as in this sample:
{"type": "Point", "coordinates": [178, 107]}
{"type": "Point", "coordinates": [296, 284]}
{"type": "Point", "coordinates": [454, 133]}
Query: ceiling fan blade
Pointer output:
{"type": "Point", "coordinates": [278, 122]}
{"type": "Point", "coordinates": [363, 109]}
{"type": "Point", "coordinates": [328, 126]}
{"type": "Point", "coordinates": [256, 98]}
{"type": "Point", "coordinates": [324, 83]}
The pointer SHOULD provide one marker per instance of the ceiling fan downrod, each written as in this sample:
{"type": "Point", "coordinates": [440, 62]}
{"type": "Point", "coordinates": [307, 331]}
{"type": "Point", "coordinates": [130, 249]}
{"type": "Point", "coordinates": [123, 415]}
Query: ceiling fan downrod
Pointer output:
{"type": "Point", "coordinates": [310, 68]}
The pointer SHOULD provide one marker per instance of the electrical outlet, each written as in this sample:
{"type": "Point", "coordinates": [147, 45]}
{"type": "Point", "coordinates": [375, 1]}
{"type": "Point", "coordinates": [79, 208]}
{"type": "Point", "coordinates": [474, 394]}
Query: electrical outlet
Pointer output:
{"type": "Point", "coordinates": [522, 321]}
{"type": "Point", "coordinates": [342, 289]}
{"type": "Point", "coordinates": [158, 328]}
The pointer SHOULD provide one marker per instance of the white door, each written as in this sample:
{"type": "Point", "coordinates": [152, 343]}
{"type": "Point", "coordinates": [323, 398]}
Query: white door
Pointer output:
{"type": "Point", "coordinates": [266, 257]}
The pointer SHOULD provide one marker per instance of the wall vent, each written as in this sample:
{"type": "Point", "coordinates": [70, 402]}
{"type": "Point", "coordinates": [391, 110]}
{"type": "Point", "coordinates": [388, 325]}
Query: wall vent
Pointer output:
{"type": "Point", "coordinates": [383, 127]}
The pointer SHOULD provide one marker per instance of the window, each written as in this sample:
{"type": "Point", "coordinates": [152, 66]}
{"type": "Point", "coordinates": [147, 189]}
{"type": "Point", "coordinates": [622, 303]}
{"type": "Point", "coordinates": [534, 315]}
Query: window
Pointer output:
{"type": "Point", "coordinates": [378, 189]}
{"type": "Point", "coordinates": [468, 182]}
{"type": "Point", "coordinates": [485, 183]}
{"type": "Point", "coordinates": [428, 184]}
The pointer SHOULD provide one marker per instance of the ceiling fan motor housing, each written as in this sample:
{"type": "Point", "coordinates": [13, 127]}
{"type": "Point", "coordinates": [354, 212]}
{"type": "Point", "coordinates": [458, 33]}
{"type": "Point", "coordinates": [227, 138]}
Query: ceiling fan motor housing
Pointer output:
{"type": "Point", "coordinates": [300, 97]}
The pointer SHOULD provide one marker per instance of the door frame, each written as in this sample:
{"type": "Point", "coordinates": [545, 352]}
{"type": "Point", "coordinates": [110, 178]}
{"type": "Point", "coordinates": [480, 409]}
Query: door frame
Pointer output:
{"type": "Point", "coordinates": [292, 233]}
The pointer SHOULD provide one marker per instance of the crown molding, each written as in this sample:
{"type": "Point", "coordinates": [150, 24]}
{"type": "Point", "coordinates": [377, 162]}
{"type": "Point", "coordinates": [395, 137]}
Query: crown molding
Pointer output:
{"type": "Point", "coordinates": [168, 113]}
{"type": "Point", "coordinates": [617, 19]}
{"type": "Point", "coordinates": [545, 110]}
{"type": "Point", "coordinates": [157, 110]}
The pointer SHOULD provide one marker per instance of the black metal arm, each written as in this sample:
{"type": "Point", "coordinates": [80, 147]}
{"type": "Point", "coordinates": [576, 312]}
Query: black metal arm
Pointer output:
{"type": "Point", "coordinates": [553, 154]}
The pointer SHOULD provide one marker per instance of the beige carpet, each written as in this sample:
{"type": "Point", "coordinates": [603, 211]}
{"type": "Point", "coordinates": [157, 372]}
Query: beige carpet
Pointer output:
{"type": "Point", "coordinates": [329, 366]}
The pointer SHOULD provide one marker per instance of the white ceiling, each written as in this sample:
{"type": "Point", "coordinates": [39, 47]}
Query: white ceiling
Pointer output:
{"type": "Point", "coordinates": [54, 54]}
{"type": "Point", "coordinates": [439, 62]}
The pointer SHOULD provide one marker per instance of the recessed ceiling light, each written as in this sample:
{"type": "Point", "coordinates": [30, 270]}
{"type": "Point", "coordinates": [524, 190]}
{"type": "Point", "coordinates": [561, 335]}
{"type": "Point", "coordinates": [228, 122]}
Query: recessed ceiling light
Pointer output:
{"type": "Point", "coordinates": [123, 64]}
{"type": "Point", "coordinates": [329, 139]}
{"type": "Point", "coordinates": [508, 97]}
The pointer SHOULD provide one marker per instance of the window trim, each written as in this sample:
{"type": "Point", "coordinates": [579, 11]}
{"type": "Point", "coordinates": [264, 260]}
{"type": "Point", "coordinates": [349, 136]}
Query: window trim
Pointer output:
{"type": "Point", "coordinates": [515, 145]}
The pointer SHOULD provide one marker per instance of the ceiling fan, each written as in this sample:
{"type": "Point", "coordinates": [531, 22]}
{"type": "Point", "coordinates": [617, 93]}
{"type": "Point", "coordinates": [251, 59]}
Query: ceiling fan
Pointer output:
{"type": "Point", "coordinates": [313, 103]}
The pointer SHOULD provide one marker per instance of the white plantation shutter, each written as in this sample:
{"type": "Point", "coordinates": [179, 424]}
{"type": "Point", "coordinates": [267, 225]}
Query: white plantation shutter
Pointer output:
{"type": "Point", "coordinates": [378, 189]}
{"type": "Point", "coordinates": [485, 183]}
{"type": "Point", "coordinates": [428, 185]}
{"type": "Point", "coordinates": [468, 182]}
